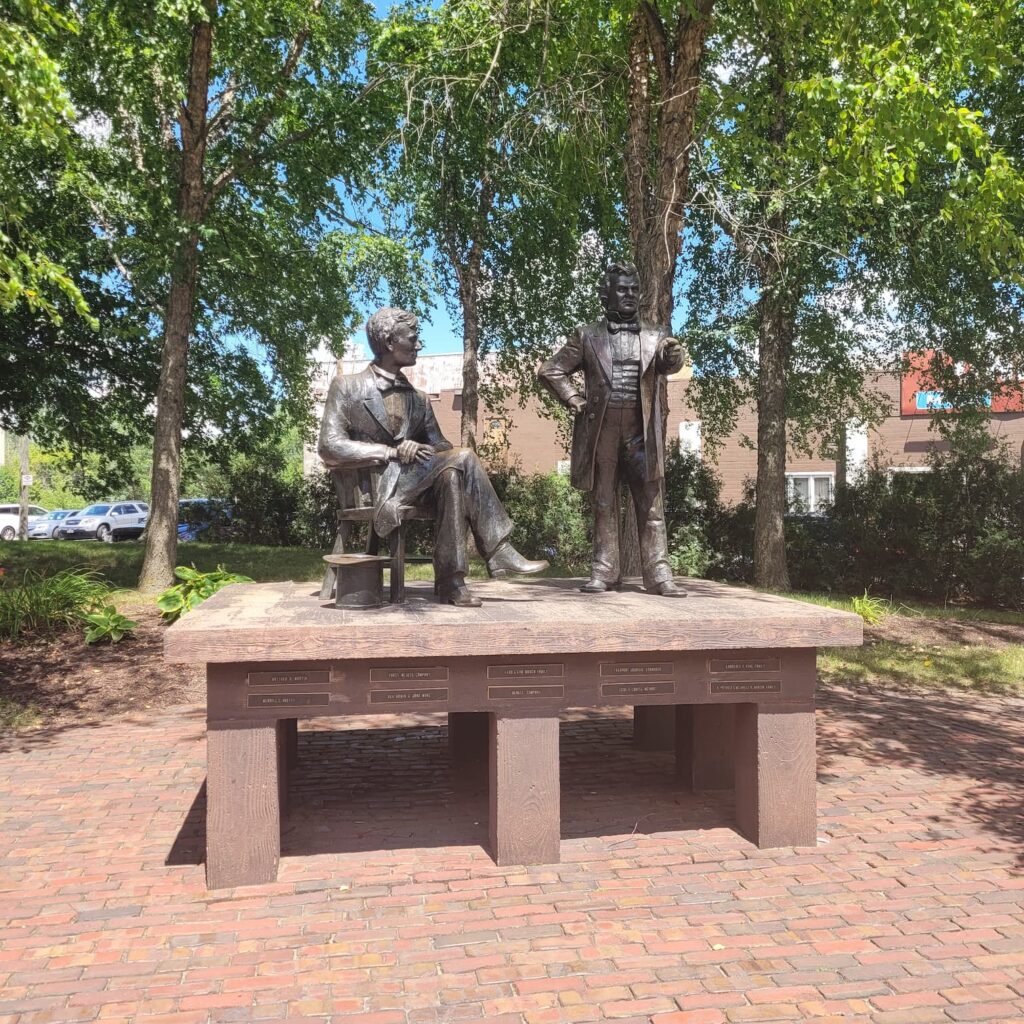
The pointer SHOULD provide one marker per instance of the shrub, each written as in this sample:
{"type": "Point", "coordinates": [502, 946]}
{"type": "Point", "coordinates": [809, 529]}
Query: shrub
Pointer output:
{"type": "Point", "coordinates": [316, 512]}
{"type": "Point", "coordinates": [994, 569]}
{"type": "Point", "coordinates": [107, 624]}
{"type": "Point", "coordinates": [955, 533]}
{"type": "Point", "coordinates": [42, 604]}
{"type": "Point", "coordinates": [552, 518]}
{"type": "Point", "coordinates": [871, 609]}
{"type": "Point", "coordinates": [688, 551]}
{"type": "Point", "coordinates": [194, 588]}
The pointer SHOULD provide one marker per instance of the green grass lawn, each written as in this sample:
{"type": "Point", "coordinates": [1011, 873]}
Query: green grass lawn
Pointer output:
{"type": "Point", "coordinates": [120, 563]}
{"type": "Point", "coordinates": [982, 669]}
{"type": "Point", "coordinates": [920, 608]}
{"type": "Point", "coordinates": [15, 716]}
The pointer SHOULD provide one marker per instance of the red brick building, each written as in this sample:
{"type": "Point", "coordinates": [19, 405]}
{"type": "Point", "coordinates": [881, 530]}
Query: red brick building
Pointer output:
{"type": "Point", "coordinates": [902, 440]}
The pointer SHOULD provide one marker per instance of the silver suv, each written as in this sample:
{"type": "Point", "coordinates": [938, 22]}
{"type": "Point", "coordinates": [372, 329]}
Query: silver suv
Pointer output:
{"type": "Point", "coordinates": [108, 521]}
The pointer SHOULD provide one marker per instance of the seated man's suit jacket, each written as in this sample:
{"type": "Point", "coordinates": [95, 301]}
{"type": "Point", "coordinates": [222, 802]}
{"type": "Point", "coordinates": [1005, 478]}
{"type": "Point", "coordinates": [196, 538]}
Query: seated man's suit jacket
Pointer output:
{"type": "Point", "coordinates": [356, 433]}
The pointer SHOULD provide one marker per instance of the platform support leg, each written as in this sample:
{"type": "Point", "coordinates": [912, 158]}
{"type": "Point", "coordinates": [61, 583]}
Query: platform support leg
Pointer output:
{"type": "Point", "coordinates": [776, 803]}
{"type": "Point", "coordinates": [525, 808]}
{"type": "Point", "coordinates": [654, 726]}
{"type": "Point", "coordinates": [468, 733]}
{"type": "Point", "coordinates": [243, 803]}
{"type": "Point", "coordinates": [291, 741]}
{"type": "Point", "coordinates": [704, 746]}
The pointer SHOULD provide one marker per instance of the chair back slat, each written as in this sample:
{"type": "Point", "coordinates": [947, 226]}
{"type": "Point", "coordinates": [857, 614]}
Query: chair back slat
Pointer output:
{"type": "Point", "coordinates": [354, 487]}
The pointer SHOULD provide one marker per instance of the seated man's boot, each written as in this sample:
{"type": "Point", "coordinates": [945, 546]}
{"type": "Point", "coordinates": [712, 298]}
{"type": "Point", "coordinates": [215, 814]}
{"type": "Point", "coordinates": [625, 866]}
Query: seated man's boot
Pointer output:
{"type": "Point", "coordinates": [668, 588]}
{"type": "Point", "coordinates": [596, 586]}
{"type": "Point", "coordinates": [455, 591]}
{"type": "Point", "coordinates": [506, 561]}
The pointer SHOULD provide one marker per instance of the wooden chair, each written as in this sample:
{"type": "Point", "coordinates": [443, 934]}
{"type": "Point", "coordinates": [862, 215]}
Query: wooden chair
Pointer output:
{"type": "Point", "coordinates": [355, 490]}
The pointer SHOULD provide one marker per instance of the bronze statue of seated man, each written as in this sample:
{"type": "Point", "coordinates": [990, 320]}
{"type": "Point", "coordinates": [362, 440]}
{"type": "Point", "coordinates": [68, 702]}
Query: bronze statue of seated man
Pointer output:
{"type": "Point", "coordinates": [377, 419]}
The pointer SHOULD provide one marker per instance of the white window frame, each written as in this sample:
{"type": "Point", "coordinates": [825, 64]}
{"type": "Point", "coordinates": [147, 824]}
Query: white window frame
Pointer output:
{"type": "Point", "coordinates": [908, 469]}
{"type": "Point", "coordinates": [691, 437]}
{"type": "Point", "coordinates": [809, 475]}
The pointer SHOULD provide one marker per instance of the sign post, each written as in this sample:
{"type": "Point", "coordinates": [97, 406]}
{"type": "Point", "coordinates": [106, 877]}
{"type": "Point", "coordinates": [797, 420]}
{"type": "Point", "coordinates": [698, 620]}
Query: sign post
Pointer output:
{"type": "Point", "coordinates": [26, 482]}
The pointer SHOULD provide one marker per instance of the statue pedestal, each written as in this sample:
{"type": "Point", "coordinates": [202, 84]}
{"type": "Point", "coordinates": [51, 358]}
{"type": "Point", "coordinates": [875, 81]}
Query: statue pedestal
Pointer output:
{"type": "Point", "coordinates": [737, 666]}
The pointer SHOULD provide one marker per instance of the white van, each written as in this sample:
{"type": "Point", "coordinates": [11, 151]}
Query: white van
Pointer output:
{"type": "Point", "coordinates": [9, 519]}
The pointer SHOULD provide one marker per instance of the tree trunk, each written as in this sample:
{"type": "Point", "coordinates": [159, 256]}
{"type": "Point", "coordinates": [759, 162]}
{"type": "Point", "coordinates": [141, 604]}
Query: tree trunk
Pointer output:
{"type": "Point", "coordinates": [776, 328]}
{"type": "Point", "coordinates": [162, 527]}
{"type": "Point", "coordinates": [776, 325]}
{"type": "Point", "coordinates": [469, 290]}
{"type": "Point", "coordinates": [656, 209]}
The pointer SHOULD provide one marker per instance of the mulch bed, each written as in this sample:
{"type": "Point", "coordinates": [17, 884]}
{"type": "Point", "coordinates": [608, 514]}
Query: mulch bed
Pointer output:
{"type": "Point", "coordinates": [915, 631]}
{"type": "Point", "coordinates": [71, 682]}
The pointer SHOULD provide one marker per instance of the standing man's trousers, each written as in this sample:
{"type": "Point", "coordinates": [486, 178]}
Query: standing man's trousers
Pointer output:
{"type": "Point", "coordinates": [620, 453]}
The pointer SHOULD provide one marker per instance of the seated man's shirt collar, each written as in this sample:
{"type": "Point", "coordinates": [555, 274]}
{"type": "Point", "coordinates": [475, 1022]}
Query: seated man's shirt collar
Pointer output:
{"type": "Point", "coordinates": [386, 381]}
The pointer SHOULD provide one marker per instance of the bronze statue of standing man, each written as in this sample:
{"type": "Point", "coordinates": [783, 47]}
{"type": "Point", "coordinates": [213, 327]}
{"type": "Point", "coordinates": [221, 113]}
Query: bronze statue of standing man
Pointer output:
{"type": "Point", "coordinates": [619, 426]}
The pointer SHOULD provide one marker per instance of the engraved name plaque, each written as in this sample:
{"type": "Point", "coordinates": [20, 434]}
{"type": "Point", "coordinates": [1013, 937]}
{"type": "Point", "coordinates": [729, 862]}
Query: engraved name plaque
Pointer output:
{"type": "Point", "coordinates": [716, 665]}
{"type": "Point", "coordinates": [747, 686]}
{"type": "Point", "coordinates": [426, 695]}
{"type": "Point", "coordinates": [638, 669]}
{"type": "Point", "coordinates": [636, 689]}
{"type": "Point", "coordinates": [409, 674]}
{"type": "Point", "coordinates": [315, 677]}
{"type": "Point", "coordinates": [288, 700]}
{"type": "Point", "coordinates": [523, 692]}
{"type": "Point", "coordinates": [525, 671]}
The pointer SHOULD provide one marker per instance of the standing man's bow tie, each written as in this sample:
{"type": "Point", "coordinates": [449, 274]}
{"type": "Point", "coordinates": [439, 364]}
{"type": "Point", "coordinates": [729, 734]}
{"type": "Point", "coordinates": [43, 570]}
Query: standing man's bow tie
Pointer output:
{"type": "Point", "coordinates": [632, 326]}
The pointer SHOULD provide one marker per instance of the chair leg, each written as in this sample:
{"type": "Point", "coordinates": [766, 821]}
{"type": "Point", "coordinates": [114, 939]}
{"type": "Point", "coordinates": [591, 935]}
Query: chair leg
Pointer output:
{"type": "Point", "coordinates": [331, 575]}
{"type": "Point", "coordinates": [397, 544]}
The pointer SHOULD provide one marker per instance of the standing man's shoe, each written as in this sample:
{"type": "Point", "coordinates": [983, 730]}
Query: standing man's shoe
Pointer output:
{"type": "Point", "coordinates": [596, 586]}
{"type": "Point", "coordinates": [667, 589]}
{"type": "Point", "coordinates": [506, 561]}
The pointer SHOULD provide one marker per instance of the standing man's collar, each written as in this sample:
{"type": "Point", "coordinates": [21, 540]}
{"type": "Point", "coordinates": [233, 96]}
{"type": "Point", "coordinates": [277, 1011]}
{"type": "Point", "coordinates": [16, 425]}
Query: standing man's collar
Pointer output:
{"type": "Point", "coordinates": [614, 326]}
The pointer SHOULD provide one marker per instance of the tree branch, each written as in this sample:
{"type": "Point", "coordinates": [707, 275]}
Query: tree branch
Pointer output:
{"type": "Point", "coordinates": [219, 122]}
{"type": "Point", "coordinates": [249, 156]}
{"type": "Point", "coordinates": [107, 234]}
{"type": "Point", "coordinates": [657, 38]}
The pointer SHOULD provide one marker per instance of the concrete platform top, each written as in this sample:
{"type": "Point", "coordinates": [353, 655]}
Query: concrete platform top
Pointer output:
{"type": "Point", "coordinates": [289, 622]}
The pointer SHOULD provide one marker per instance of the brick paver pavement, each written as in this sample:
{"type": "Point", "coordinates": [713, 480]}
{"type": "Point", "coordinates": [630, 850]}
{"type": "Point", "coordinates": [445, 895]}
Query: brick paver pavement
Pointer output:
{"type": "Point", "coordinates": [388, 911]}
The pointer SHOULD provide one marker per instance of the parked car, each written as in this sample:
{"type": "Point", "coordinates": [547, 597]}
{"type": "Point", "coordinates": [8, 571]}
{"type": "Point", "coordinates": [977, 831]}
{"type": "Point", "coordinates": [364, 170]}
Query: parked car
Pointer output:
{"type": "Point", "coordinates": [203, 517]}
{"type": "Point", "coordinates": [48, 527]}
{"type": "Point", "coordinates": [107, 521]}
{"type": "Point", "coordinates": [9, 519]}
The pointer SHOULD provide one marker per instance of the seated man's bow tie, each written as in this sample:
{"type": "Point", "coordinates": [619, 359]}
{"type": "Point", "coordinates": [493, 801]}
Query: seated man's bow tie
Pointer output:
{"type": "Point", "coordinates": [632, 326]}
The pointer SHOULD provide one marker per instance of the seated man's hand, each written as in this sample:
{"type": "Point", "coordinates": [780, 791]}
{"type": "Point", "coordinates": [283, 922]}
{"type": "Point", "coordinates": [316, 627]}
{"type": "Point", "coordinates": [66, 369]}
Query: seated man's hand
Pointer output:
{"type": "Point", "coordinates": [411, 451]}
{"type": "Point", "coordinates": [577, 403]}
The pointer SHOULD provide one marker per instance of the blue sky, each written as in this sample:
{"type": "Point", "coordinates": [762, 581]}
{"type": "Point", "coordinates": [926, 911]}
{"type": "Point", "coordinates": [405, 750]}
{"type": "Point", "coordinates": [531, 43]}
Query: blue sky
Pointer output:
{"type": "Point", "coordinates": [440, 335]}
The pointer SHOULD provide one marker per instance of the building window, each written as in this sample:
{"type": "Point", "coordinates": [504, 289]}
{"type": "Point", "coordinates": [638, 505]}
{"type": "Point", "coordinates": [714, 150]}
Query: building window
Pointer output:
{"type": "Point", "coordinates": [809, 493]}
{"type": "Point", "coordinates": [689, 436]}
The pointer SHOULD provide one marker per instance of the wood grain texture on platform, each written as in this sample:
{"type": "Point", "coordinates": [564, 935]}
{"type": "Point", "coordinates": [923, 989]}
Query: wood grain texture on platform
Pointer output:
{"type": "Point", "coordinates": [285, 621]}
